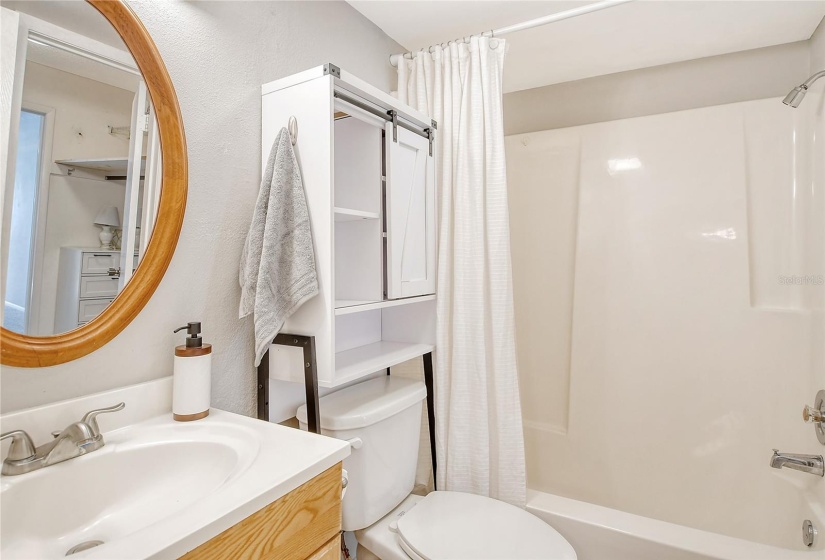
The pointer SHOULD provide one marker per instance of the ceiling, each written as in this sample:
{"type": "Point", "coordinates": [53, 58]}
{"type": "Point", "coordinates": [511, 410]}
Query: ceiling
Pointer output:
{"type": "Point", "coordinates": [79, 65]}
{"type": "Point", "coordinates": [623, 37]}
{"type": "Point", "coordinates": [79, 17]}
{"type": "Point", "coordinates": [83, 19]}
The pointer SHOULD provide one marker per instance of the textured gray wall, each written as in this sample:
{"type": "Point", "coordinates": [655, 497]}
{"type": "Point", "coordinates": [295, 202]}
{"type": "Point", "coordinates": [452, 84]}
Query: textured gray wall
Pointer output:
{"type": "Point", "coordinates": [704, 82]}
{"type": "Point", "coordinates": [218, 55]}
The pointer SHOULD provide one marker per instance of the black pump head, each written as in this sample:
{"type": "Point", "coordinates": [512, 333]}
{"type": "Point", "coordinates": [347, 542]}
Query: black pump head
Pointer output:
{"type": "Point", "coordinates": [193, 330]}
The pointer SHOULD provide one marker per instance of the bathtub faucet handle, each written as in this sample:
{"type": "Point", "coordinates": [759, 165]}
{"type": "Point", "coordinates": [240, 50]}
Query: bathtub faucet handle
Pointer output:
{"type": "Point", "coordinates": [812, 415]}
{"type": "Point", "coordinates": [816, 415]}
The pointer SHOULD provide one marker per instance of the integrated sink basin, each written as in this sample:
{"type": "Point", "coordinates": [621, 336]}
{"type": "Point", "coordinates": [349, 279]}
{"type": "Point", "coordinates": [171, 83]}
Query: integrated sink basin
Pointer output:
{"type": "Point", "coordinates": [141, 476]}
{"type": "Point", "coordinates": [158, 488]}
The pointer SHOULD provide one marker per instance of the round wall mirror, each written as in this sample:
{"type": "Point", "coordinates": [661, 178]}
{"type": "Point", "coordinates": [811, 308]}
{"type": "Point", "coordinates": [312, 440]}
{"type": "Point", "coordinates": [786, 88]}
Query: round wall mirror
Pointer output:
{"type": "Point", "coordinates": [94, 176]}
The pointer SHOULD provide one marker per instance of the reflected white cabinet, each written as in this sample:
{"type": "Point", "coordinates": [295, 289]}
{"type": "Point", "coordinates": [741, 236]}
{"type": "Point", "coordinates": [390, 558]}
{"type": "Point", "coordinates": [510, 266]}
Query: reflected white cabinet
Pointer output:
{"type": "Point", "coordinates": [84, 286]}
{"type": "Point", "coordinates": [369, 175]}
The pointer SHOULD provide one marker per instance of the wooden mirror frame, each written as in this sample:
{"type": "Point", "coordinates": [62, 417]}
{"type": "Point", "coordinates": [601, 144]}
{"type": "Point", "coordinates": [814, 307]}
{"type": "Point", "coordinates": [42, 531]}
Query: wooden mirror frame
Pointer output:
{"type": "Point", "coordinates": [28, 351]}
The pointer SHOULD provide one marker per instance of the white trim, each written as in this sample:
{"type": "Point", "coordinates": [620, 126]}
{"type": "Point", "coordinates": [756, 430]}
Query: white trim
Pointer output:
{"type": "Point", "coordinates": [12, 97]}
{"type": "Point", "coordinates": [293, 80]}
{"type": "Point", "coordinates": [151, 183]}
{"type": "Point", "coordinates": [129, 221]}
{"type": "Point", "coordinates": [40, 218]}
{"type": "Point", "coordinates": [52, 35]}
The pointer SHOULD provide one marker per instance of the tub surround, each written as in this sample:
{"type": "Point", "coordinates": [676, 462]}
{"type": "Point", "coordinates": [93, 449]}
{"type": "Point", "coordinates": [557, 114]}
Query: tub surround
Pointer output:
{"type": "Point", "coordinates": [648, 261]}
{"type": "Point", "coordinates": [598, 532]}
{"type": "Point", "coordinates": [273, 474]}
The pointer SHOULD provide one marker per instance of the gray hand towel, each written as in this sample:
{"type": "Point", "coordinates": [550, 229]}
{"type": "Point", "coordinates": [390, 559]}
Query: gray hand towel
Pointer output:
{"type": "Point", "coordinates": [277, 272]}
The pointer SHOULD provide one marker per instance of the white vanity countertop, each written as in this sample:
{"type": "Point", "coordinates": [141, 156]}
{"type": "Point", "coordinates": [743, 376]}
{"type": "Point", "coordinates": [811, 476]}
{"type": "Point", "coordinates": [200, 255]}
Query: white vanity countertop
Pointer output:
{"type": "Point", "coordinates": [158, 488]}
{"type": "Point", "coordinates": [286, 459]}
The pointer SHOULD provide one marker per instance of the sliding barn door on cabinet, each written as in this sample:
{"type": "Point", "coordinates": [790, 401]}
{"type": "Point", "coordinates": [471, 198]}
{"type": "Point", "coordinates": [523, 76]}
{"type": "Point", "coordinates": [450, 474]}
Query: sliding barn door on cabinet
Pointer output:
{"type": "Point", "coordinates": [410, 213]}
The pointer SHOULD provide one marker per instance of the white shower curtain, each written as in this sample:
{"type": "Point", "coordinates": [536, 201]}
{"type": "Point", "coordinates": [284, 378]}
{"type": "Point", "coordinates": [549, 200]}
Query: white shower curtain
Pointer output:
{"type": "Point", "coordinates": [480, 443]}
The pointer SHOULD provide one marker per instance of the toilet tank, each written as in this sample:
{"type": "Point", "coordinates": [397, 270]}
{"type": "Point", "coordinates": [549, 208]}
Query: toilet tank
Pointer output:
{"type": "Point", "coordinates": [382, 420]}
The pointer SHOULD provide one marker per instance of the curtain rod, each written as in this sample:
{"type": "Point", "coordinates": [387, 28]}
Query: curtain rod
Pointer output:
{"type": "Point", "coordinates": [552, 18]}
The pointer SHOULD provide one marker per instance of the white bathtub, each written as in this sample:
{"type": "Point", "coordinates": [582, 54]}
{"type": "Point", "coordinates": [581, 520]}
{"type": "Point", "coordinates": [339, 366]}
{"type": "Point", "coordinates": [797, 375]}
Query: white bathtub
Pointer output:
{"type": "Point", "coordinates": [600, 533]}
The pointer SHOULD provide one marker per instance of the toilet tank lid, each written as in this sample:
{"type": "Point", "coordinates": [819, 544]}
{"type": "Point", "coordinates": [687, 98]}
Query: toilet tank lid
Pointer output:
{"type": "Point", "coordinates": [367, 403]}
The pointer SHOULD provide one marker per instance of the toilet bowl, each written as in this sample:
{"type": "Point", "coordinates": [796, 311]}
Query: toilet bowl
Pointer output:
{"type": "Point", "coordinates": [458, 526]}
{"type": "Point", "coordinates": [382, 420]}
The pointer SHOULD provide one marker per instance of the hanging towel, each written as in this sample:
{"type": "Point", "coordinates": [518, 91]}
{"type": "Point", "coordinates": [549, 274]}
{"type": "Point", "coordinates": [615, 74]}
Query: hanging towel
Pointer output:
{"type": "Point", "coordinates": [277, 272]}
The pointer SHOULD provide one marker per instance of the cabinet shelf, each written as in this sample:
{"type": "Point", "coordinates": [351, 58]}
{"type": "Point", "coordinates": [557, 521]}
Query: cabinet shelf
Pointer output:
{"type": "Point", "coordinates": [364, 360]}
{"type": "Point", "coordinates": [350, 215]}
{"type": "Point", "coordinates": [347, 306]}
{"type": "Point", "coordinates": [341, 305]}
{"type": "Point", "coordinates": [112, 165]}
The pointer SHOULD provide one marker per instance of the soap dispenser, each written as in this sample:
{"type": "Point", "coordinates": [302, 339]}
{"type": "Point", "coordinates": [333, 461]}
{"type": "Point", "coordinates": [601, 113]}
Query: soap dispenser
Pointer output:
{"type": "Point", "coordinates": [192, 379]}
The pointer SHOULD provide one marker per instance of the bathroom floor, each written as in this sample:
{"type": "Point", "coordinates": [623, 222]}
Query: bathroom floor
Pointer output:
{"type": "Point", "coordinates": [352, 544]}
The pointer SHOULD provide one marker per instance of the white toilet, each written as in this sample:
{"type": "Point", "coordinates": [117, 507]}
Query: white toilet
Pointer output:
{"type": "Point", "coordinates": [381, 418]}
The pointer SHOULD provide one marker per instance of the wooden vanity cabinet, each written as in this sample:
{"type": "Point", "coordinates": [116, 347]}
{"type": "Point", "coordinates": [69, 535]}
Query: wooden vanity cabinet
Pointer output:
{"type": "Point", "coordinates": [302, 525]}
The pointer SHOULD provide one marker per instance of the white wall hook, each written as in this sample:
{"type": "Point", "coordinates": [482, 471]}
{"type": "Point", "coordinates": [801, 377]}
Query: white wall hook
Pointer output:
{"type": "Point", "coordinates": [292, 127]}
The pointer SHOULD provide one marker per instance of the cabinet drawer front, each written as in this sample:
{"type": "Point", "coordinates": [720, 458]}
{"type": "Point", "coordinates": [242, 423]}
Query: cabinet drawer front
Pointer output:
{"type": "Point", "coordinates": [294, 527]}
{"type": "Point", "coordinates": [98, 286]}
{"type": "Point", "coordinates": [91, 308]}
{"type": "Point", "coordinates": [330, 551]}
{"type": "Point", "coordinates": [99, 263]}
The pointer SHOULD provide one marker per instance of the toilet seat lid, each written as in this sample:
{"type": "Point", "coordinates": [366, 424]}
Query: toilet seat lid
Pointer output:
{"type": "Point", "coordinates": [460, 526]}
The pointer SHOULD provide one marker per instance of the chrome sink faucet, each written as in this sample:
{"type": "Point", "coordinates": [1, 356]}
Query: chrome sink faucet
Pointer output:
{"type": "Point", "coordinates": [813, 464]}
{"type": "Point", "coordinates": [75, 440]}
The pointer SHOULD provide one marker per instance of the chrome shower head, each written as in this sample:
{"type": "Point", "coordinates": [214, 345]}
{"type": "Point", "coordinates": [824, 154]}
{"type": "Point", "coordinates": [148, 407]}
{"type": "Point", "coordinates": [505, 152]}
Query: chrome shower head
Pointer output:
{"type": "Point", "coordinates": [795, 97]}
{"type": "Point", "coordinates": [797, 94]}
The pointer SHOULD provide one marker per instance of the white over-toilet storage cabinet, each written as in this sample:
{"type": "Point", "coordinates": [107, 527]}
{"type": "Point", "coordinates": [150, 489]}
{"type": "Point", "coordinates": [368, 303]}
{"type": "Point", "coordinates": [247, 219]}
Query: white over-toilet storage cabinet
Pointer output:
{"type": "Point", "coordinates": [369, 175]}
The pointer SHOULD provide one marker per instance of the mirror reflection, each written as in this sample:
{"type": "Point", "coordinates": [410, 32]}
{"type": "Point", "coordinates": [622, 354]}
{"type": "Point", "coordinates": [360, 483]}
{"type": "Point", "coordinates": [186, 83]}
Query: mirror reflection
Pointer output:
{"type": "Point", "coordinates": [84, 162]}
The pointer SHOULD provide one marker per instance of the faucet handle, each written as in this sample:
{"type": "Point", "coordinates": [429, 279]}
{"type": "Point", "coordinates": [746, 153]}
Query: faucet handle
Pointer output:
{"type": "Point", "coordinates": [812, 415]}
{"type": "Point", "coordinates": [22, 446]}
{"type": "Point", "coordinates": [90, 417]}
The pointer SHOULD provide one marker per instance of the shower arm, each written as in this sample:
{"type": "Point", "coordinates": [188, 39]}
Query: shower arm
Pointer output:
{"type": "Point", "coordinates": [807, 83]}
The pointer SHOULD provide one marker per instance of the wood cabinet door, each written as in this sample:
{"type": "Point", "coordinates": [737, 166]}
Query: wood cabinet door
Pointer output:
{"type": "Point", "coordinates": [410, 214]}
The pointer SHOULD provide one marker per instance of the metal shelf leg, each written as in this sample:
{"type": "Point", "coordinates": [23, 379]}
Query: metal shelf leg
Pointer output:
{"type": "Point", "coordinates": [307, 346]}
{"type": "Point", "coordinates": [428, 382]}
